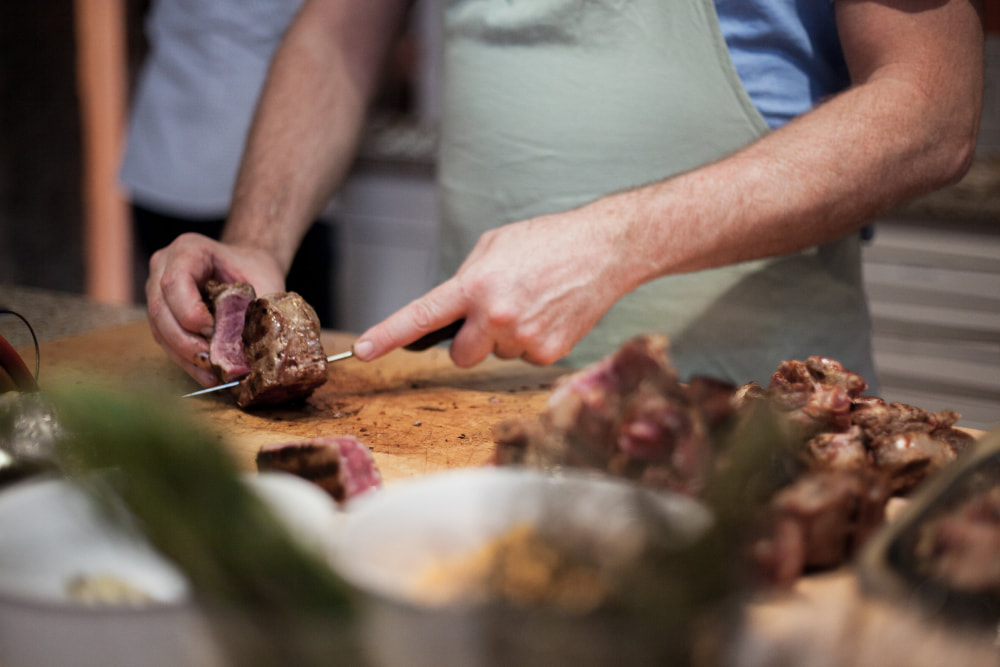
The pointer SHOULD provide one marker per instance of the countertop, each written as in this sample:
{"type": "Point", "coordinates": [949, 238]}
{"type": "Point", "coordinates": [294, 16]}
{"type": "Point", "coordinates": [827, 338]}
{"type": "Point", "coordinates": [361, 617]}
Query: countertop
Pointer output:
{"type": "Point", "coordinates": [55, 315]}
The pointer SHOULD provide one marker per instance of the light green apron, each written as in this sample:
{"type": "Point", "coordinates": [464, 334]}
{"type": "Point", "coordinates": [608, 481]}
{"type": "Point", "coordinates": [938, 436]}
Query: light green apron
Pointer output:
{"type": "Point", "coordinates": [550, 104]}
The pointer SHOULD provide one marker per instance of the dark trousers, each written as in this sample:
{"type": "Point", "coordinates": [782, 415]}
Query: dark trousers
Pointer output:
{"type": "Point", "coordinates": [311, 275]}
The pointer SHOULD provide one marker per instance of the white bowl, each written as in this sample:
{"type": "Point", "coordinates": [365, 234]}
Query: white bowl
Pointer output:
{"type": "Point", "coordinates": [389, 540]}
{"type": "Point", "coordinates": [51, 531]}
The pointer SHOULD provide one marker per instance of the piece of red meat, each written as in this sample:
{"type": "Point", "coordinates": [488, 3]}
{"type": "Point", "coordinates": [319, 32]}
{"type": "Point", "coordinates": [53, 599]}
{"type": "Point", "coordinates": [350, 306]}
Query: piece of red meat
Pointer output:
{"type": "Point", "coordinates": [281, 339]}
{"type": "Point", "coordinates": [906, 442]}
{"type": "Point", "coordinates": [342, 466]}
{"type": "Point", "coordinates": [961, 547]}
{"type": "Point", "coordinates": [819, 521]}
{"type": "Point", "coordinates": [837, 457]}
{"type": "Point", "coordinates": [909, 457]}
{"type": "Point", "coordinates": [629, 415]}
{"type": "Point", "coordinates": [841, 451]}
{"type": "Point", "coordinates": [228, 304]}
{"type": "Point", "coordinates": [816, 394]}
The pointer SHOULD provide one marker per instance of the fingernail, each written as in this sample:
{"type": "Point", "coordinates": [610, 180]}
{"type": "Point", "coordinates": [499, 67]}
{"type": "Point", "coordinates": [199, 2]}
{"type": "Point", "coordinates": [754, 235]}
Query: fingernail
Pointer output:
{"type": "Point", "coordinates": [363, 349]}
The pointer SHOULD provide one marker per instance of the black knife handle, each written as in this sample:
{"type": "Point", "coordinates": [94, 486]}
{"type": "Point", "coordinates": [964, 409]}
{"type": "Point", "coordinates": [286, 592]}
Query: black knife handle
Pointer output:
{"type": "Point", "coordinates": [435, 337]}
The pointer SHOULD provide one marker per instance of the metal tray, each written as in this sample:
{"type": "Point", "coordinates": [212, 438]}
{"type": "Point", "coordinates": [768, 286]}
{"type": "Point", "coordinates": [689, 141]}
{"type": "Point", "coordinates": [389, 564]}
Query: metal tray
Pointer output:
{"type": "Point", "coordinates": [891, 563]}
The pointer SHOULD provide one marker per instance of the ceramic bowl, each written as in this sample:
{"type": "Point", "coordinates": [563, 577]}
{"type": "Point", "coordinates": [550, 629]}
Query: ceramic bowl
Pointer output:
{"type": "Point", "coordinates": [52, 533]}
{"type": "Point", "coordinates": [390, 540]}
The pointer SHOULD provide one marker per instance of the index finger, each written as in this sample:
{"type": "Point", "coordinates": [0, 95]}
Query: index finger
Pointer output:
{"type": "Point", "coordinates": [179, 289]}
{"type": "Point", "coordinates": [179, 319]}
{"type": "Point", "coordinates": [437, 310]}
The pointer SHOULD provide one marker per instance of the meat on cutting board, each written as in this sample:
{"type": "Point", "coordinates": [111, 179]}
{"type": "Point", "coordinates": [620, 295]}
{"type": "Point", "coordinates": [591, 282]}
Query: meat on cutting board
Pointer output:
{"type": "Point", "coordinates": [342, 466]}
{"type": "Point", "coordinates": [627, 414]}
{"type": "Point", "coordinates": [272, 342]}
{"type": "Point", "coordinates": [846, 453]}
{"type": "Point", "coordinates": [228, 304]}
{"type": "Point", "coordinates": [281, 339]}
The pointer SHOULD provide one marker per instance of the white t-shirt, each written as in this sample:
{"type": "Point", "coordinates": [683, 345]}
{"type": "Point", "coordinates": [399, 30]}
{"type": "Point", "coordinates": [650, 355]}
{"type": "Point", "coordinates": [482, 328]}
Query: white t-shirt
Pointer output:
{"type": "Point", "coordinates": [194, 99]}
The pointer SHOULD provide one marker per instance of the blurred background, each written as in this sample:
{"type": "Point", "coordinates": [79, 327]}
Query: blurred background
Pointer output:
{"type": "Point", "coordinates": [67, 70]}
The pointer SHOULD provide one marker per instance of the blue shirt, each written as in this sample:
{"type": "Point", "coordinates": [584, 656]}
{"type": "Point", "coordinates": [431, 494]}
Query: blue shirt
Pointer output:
{"type": "Point", "coordinates": [786, 52]}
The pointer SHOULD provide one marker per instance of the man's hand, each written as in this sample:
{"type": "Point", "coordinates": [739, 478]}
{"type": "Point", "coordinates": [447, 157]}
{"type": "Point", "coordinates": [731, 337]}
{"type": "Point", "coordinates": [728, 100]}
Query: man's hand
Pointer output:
{"type": "Point", "coordinates": [531, 289]}
{"type": "Point", "coordinates": [178, 317]}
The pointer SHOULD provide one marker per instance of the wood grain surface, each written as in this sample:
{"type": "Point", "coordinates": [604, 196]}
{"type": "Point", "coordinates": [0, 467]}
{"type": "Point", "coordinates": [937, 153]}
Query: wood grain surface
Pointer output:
{"type": "Point", "coordinates": [417, 411]}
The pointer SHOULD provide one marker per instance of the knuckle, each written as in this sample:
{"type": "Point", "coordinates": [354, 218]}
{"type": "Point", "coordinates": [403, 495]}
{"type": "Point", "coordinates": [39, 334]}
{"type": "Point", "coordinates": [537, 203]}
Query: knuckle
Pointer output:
{"type": "Point", "coordinates": [546, 353]}
{"type": "Point", "coordinates": [424, 314]}
{"type": "Point", "coordinates": [502, 316]}
{"type": "Point", "coordinates": [154, 308]}
{"type": "Point", "coordinates": [528, 335]}
{"type": "Point", "coordinates": [189, 239]}
{"type": "Point", "coordinates": [486, 238]}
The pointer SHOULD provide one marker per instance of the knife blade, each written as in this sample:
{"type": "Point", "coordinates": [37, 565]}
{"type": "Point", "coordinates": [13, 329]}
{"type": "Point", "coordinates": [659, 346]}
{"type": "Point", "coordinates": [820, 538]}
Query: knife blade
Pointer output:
{"type": "Point", "coordinates": [419, 345]}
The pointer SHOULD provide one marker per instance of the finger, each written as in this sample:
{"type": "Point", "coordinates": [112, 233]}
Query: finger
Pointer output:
{"type": "Point", "coordinates": [506, 351]}
{"type": "Point", "coordinates": [185, 344]}
{"type": "Point", "coordinates": [188, 350]}
{"type": "Point", "coordinates": [547, 352]}
{"type": "Point", "coordinates": [182, 297]}
{"type": "Point", "coordinates": [197, 366]}
{"type": "Point", "coordinates": [437, 309]}
{"type": "Point", "coordinates": [471, 345]}
{"type": "Point", "coordinates": [197, 369]}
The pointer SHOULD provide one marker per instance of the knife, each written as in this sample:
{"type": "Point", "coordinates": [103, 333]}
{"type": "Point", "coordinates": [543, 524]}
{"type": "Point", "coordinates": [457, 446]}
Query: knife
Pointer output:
{"type": "Point", "coordinates": [419, 345]}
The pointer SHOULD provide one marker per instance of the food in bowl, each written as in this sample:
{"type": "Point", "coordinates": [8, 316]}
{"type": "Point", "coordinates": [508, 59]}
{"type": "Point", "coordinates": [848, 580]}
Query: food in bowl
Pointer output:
{"type": "Point", "coordinates": [106, 590]}
{"type": "Point", "coordinates": [512, 535]}
{"type": "Point", "coordinates": [521, 567]}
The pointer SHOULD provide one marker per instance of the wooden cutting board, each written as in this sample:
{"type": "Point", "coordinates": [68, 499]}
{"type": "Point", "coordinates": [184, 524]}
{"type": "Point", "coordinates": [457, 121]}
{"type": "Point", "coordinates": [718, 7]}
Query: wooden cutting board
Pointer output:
{"type": "Point", "coordinates": [417, 411]}
{"type": "Point", "coordinates": [421, 414]}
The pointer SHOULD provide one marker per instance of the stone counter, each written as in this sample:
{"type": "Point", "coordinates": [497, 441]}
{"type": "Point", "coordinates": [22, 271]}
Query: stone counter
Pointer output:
{"type": "Point", "coordinates": [57, 314]}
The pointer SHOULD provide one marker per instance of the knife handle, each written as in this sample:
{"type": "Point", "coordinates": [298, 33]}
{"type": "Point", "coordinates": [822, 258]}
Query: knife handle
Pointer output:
{"type": "Point", "coordinates": [435, 337]}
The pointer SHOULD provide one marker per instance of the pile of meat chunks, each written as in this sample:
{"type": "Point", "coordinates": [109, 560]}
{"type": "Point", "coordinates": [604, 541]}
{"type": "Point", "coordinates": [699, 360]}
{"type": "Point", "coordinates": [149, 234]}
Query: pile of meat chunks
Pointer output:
{"type": "Point", "coordinates": [631, 416]}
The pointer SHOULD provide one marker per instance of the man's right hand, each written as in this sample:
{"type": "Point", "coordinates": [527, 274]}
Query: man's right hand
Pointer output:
{"type": "Point", "coordinates": [178, 317]}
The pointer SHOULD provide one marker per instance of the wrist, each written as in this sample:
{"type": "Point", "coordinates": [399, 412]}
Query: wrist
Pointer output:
{"type": "Point", "coordinates": [271, 240]}
{"type": "Point", "coordinates": [629, 223]}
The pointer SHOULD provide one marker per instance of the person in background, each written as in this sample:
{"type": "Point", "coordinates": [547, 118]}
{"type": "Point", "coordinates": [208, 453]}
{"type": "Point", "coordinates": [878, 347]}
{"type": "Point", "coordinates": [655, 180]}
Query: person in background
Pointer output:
{"type": "Point", "coordinates": [610, 168]}
{"type": "Point", "coordinates": [195, 95]}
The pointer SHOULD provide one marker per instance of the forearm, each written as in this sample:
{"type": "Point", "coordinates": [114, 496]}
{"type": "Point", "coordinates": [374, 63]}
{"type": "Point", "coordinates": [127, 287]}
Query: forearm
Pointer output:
{"type": "Point", "coordinates": [907, 128]}
{"type": "Point", "coordinates": [308, 121]}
